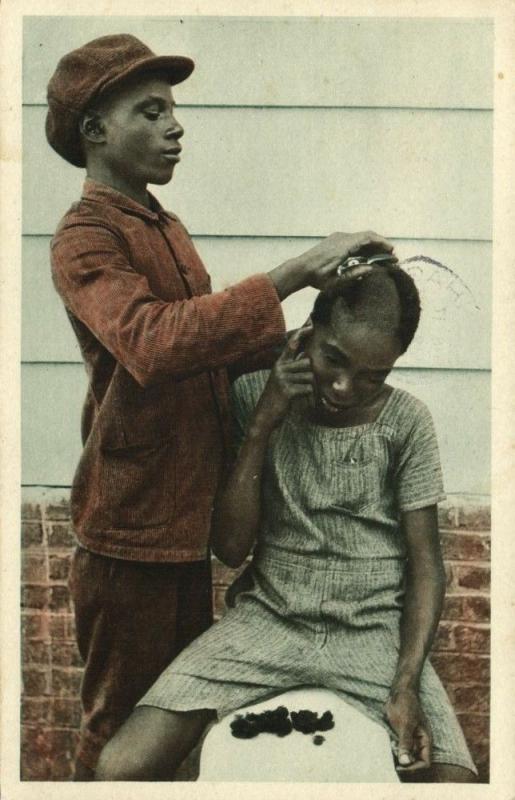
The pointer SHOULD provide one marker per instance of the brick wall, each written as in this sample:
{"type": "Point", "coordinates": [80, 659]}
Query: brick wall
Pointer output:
{"type": "Point", "coordinates": [52, 666]}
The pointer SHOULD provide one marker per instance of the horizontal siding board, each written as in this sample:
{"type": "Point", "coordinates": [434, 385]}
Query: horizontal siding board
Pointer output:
{"type": "Point", "coordinates": [304, 172]}
{"type": "Point", "coordinates": [442, 63]}
{"type": "Point", "coordinates": [46, 331]}
{"type": "Point", "coordinates": [52, 397]}
{"type": "Point", "coordinates": [458, 339]}
{"type": "Point", "coordinates": [460, 405]}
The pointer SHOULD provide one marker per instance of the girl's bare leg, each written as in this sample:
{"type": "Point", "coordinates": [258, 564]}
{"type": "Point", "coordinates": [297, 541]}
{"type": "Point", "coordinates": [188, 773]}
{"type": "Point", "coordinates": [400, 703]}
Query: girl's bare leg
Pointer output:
{"type": "Point", "coordinates": [151, 744]}
{"type": "Point", "coordinates": [451, 773]}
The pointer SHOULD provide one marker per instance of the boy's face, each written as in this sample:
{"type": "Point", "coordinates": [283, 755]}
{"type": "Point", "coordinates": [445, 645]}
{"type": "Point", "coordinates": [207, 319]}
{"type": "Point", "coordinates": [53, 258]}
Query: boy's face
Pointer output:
{"type": "Point", "coordinates": [350, 362]}
{"type": "Point", "coordinates": [141, 134]}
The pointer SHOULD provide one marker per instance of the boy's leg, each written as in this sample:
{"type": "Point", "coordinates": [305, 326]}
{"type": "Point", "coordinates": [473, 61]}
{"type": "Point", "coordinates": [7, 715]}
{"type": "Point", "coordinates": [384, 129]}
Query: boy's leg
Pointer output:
{"type": "Point", "coordinates": [132, 619]}
{"type": "Point", "coordinates": [82, 772]}
{"type": "Point", "coordinates": [151, 744]}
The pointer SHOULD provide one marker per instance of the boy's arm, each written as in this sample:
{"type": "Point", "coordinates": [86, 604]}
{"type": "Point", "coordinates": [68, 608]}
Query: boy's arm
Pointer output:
{"type": "Point", "coordinates": [153, 338]}
{"type": "Point", "coordinates": [425, 590]}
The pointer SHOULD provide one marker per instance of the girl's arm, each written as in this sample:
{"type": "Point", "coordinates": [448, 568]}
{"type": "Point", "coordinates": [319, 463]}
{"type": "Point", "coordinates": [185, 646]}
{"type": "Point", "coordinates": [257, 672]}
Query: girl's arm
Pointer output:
{"type": "Point", "coordinates": [425, 590]}
{"type": "Point", "coordinates": [237, 509]}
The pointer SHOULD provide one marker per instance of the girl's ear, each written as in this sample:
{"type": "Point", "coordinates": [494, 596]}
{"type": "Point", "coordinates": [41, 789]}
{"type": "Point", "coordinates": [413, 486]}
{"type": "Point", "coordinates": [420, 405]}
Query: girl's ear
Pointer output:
{"type": "Point", "coordinates": [307, 328]}
{"type": "Point", "coordinates": [305, 335]}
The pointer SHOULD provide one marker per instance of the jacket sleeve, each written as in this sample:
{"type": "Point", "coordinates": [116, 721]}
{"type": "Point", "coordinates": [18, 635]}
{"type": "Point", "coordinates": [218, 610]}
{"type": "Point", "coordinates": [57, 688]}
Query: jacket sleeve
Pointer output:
{"type": "Point", "coordinates": [150, 337]}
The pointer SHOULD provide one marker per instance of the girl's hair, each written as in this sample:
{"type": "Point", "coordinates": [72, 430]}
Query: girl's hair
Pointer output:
{"type": "Point", "coordinates": [353, 292]}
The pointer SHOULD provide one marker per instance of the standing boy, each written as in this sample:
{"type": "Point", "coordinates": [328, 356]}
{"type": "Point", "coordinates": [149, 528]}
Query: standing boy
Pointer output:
{"type": "Point", "coordinates": [156, 343]}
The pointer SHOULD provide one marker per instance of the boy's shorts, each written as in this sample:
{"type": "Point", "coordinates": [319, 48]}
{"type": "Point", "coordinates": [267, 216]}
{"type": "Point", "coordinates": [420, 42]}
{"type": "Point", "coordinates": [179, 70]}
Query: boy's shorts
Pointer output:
{"type": "Point", "coordinates": [132, 619]}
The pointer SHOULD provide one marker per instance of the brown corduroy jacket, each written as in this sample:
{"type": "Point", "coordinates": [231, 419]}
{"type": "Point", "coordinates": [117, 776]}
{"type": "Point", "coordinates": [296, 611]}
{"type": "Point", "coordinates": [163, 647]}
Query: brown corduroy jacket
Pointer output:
{"type": "Point", "coordinates": [155, 342]}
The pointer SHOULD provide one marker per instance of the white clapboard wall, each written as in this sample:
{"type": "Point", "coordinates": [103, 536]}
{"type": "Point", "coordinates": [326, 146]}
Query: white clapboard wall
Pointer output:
{"type": "Point", "coordinates": [295, 127]}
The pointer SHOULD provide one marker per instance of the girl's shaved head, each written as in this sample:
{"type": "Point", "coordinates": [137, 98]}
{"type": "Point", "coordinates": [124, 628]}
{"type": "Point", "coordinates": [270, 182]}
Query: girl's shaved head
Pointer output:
{"type": "Point", "coordinates": [386, 298]}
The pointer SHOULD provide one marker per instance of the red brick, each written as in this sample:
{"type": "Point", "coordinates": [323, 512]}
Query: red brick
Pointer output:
{"type": "Point", "coordinates": [471, 698]}
{"type": "Point", "coordinates": [47, 754]}
{"type": "Point", "coordinates": [477, 609]}
{"type": "Point", "coordinates": [462, 638]}
{"type": "Point", "coordinates": [66, 681]}
{"type": "Point", "coordinates": [476, 728]}
{"type": "Point", "coordinates": [67, 712]}
{"type": "Point", "coordinates": [471, 577]}
{"type": "Point", "coordinates": [31, 534]}
{"type": "Point", "coordinates": [223, 575]}
{"type": "Point", "coordinates": [62, 626]}
{"type": "Point", "coordinates": [469, 608]}
{"type": "Point", "coordinates": [59, 567]}
{"type": "Point", "coordinates": [66, 654]}
{"type": "Point", "coordinates": [61, 535]}
{"type": "Point", "coordinates": [59, 510]}
{"type": "Point", "coordinates": [475, 517]}
{"type": "Point", "coordinates": [472, 638]}
{"type": "Point", "coordinates": [466, 516]}
{"type": "Point", "coordinates": [449, 577]}
{"type": "Point", "coordinates": [36, 652]}
{"type": "Point", "coordinates": [444, 638]}
{"type": "Point", "coordinates": [481, 757]}
{"type": "Point", "coordinates": [460, 669]}
{"type": "Point", "coordinates": [34, 625]}
{"type": "Point", "coordinates": [60, 598]}
{"type": "Point", "coordinates": [465, 546]}
{"type": "Point", "coordinates": [63, 747]}
{"type": "Point", "coordinates": [35, 681]}
{"type": "Point", "coordinates": [33, 567]}
{"type": "Point", "coordinates": [453, 607]}
{"type": "Point", "coordinates": [36, 710]}
{"type": "Point", "coordinates": [218, 600]}
{"type": "Point", "coordinates": [30, 511]}
{"type": "Point", "coordinates": [35, 751]}
{"type": "Point", "coordinates": [34, 596]}
{"type": "Point", "coordinates": [59, 625]}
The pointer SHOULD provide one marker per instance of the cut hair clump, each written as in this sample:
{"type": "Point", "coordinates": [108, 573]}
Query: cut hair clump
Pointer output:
{"type": "Point", "coordinates": [386, 297]}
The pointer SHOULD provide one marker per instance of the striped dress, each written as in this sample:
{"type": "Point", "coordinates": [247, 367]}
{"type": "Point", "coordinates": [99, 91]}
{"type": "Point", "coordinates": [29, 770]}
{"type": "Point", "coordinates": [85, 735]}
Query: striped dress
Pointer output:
{"type": "Point", "coordinates": [320, 604]}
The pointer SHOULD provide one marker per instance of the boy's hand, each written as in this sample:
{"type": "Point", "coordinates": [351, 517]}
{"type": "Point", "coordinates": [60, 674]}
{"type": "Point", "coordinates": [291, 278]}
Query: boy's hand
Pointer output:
{"type": "Point", "coordinates": [321, 261]}
{"type": "Point", "coordinates": [317, 266]}
{"type": "Point", "coordinates": [291, 377]}
{"type": "Point", "coordinates": [405, 715]}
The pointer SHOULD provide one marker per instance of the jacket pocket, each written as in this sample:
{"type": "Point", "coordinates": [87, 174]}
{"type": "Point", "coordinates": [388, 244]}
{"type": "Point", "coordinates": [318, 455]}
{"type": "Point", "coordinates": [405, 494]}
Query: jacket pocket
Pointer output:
{"type": "Point", "coordinates": [138, 482]}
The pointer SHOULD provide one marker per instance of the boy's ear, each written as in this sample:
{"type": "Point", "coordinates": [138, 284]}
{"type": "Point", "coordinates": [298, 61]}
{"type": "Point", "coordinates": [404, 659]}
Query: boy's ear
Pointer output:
{"type": "Point", "coordinates": [92, 127]}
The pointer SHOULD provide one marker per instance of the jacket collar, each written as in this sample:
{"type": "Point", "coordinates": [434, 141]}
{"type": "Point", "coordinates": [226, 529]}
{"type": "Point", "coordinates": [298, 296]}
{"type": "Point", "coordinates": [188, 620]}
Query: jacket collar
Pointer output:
{"type": "Point", "coordinates": [101, 193]}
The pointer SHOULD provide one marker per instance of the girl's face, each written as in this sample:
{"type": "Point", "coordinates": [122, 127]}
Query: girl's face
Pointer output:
{"type": "Point", "coordinates": [350, 361]}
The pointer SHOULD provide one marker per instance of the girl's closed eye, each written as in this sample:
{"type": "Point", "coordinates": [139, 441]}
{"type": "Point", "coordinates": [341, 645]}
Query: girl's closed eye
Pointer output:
{"type": "Point", "coordinates": [334, 357]}
{"type": "Point", "coordinates": [152, 114]}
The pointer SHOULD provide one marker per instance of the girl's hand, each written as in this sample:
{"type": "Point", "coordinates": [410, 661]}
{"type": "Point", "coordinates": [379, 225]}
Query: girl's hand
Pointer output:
{"type": "Point", "coordinates": [291, 377]}
{"type": "Point", "coordinates": [405, 715]}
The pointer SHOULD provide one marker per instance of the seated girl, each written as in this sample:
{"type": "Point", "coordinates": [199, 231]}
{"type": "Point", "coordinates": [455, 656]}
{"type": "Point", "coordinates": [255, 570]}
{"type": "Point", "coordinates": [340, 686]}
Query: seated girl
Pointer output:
{"type": "Point", "coordinates": [335, 486]}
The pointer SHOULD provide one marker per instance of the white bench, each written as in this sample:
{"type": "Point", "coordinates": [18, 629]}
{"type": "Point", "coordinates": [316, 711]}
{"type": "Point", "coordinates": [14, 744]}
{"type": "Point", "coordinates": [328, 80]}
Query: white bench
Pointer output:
{"type": "Point", "coordinates": [356, 750]}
